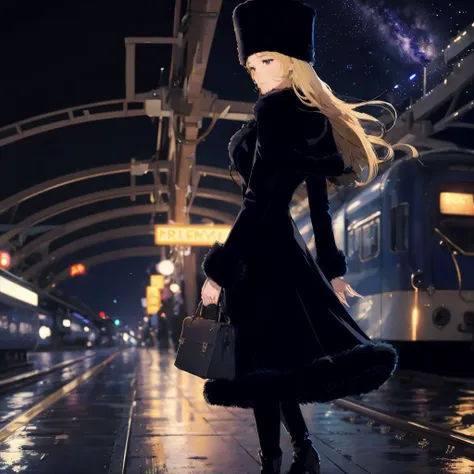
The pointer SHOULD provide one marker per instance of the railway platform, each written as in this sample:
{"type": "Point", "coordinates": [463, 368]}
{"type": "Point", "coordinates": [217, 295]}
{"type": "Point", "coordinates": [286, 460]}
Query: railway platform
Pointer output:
{"type": "Point", "coordinates": [133, 412]}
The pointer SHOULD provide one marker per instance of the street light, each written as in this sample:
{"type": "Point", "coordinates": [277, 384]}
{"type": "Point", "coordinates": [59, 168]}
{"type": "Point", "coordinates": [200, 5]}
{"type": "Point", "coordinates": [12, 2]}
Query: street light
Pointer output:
{"type": "Point", "coordinates": [165, 267]}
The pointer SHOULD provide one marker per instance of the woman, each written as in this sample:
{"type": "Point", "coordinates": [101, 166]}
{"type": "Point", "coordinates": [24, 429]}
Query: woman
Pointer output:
{"type": "Point", "coordinates": [296, 341]}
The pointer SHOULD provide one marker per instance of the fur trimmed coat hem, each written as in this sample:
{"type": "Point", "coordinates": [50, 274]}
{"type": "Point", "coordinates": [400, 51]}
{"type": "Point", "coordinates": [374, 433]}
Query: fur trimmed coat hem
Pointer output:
{"type": "Point", "coordinates": [353, 372]}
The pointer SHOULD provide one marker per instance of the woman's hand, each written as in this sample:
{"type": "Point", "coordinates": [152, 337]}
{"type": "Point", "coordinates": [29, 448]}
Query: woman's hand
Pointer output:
{"type": "Point", "coordinates": [341, 287]}
{"type": "Point", "coordinates": [210, 292]}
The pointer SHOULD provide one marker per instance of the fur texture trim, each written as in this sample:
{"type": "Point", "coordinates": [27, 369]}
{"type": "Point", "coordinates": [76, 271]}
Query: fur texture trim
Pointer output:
{"type": "Point", "coordinates": [334, 267]}
{"type": "Point", "coordinates": [262, 25]}
{"type": "Point", "coordinates": [222, 267]}
{"type": "Point", "coordinates": [353, 372]}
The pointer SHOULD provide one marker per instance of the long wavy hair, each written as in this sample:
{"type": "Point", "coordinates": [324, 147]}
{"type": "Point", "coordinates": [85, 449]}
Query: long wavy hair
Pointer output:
{"type": "Point", "coordinates": [356, 146]}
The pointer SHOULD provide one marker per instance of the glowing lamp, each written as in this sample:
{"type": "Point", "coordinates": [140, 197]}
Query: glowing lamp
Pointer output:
{"type": "Point", "coordinates": [5, 260]}
{"type": "Point", "coordinates": [117, 322]}
{"type": "Point", "coordinates": [44, 332]}
{"type": "Point", "coordinates": [165, 267]}
{"type": "Point", "coordinates": [102, 315]}
{"type": "Point", "coordinates": [174, 287]}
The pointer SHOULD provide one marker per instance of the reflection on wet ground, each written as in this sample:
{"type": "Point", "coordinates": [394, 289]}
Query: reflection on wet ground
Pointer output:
{"type": "Point", "coordinates": [45, 360]}
{"type": "Point", "coordinates": [448, 405]}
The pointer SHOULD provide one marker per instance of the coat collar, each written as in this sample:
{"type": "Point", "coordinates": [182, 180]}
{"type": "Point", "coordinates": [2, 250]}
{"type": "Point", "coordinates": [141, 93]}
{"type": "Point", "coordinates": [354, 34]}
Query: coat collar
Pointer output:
{"type": "Point", "coordinates": [287, 94]}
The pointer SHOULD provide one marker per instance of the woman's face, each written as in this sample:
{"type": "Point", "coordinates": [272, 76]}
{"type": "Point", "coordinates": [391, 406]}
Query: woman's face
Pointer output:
{"type": "Point", "coordinates": [267, 73]}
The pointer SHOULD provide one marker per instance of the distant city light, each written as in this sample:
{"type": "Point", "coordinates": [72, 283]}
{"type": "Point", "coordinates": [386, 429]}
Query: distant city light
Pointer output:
{"type": "Point", "coordinates": [67, 323]}
{"type": "Point", "coordinates": [396, 86]}
{"type": "Point", "coordinates": [412, 77]}
{"type": "Point", "coordinates": [117, 322]}
{"type": "Point", "coordinates": [115, 301]}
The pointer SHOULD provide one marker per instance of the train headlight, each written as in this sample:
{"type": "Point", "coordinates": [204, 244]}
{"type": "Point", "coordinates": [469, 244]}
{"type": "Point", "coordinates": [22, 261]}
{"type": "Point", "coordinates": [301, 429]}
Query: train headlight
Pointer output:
{"type": "Point", "coordinates": [44, 332]}
{"type": "Point", "coordinates": [441, 317]}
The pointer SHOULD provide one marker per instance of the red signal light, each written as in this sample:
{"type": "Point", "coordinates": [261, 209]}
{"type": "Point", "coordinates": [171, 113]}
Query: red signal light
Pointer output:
{"type": "Point", "coordinates": [5, 260]}
{"type": "Point", "coordinates": [77, 269]}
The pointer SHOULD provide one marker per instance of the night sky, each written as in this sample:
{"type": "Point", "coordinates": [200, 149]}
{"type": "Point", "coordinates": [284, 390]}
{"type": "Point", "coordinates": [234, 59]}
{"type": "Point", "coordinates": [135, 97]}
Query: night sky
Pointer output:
{"type": "Point", "coordinates": [63, 54]}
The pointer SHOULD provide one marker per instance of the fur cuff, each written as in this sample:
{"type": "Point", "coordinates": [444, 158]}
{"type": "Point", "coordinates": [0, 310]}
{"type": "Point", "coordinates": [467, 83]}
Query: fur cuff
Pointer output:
{"type": "Point", "coordinates": [222, 267]}
{"type": "Point", "coordinates": [353, 372]}
{"type": "Point", "coordinates": [332, 268]}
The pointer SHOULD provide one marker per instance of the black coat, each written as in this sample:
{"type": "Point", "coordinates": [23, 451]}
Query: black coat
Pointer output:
{"type": "Point", "coordinates": [287, 316]}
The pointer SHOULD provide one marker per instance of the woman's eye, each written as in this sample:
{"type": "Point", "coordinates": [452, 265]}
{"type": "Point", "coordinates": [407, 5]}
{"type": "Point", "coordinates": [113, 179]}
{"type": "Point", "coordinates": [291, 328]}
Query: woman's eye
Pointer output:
{"type": "Point", "coordinates": [267, 61]}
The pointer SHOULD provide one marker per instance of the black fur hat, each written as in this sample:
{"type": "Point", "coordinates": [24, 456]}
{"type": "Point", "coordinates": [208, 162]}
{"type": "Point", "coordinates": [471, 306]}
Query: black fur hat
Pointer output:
{"type": "Point", "coordinates": [282, 26]}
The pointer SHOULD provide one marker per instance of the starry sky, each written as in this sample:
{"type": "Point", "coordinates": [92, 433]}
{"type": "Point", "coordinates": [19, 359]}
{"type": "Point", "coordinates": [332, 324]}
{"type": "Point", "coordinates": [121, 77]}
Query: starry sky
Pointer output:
{"type": "Point", "coordinates": [63, 54]}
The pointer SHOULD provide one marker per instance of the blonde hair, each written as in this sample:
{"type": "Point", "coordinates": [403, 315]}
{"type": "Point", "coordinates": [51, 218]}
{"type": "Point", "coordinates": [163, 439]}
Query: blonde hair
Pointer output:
{"type": "Point", "coordinates": [356, 146]}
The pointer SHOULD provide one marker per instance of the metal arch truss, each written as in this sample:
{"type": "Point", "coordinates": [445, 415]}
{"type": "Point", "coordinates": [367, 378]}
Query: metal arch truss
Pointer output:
{"type": "Point", "coordinates": [115, 234]}
{"type": "Point", "coordinates": [91, 198]}
{"type": "Point", "coordinates": [73, 226]}
{"type": "Point", "coordinates": [122, 108]}
{"type": "Point", "coordinates": [100, 196]}
{"type": "Point", "coordinates": [417, 124]}
{"type": "Point", "coordinates": [121, 254]}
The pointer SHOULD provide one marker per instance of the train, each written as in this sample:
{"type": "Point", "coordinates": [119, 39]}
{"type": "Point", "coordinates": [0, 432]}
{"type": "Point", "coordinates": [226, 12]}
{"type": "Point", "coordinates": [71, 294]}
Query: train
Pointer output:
{"type": "Point", "coordinates": [408, 237]}
{"type": "Point", "coordinates": [33, 320]}
{"type": "Point", "coordinates": [19, 323]}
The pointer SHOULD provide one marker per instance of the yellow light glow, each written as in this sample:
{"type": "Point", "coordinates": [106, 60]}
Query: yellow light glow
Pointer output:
{"type": "Point", "coordinates": [456, 203]}
{"type": "Point", "coordinates": [415, 316]}
{"type": "Point", "coordinates": [153, 299]}
{"type": "Point", "coordinates": [192, 235]}
{"type": "Point", "coordinates": [14, 290]}
{"type": "Point", "coordinates": [157, 281]}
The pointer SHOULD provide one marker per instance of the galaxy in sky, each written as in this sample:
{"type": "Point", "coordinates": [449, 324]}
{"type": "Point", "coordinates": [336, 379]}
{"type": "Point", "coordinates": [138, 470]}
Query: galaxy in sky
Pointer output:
{"type": "Point", "coordinates": [405, 31]}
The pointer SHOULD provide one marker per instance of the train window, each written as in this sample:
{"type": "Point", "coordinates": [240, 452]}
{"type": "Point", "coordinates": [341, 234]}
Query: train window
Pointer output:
{"type": "Point", "coordinates": [399, 227]}
{"type": "Point", "coordinates": [370, 240]}
{"type": "Point", "coordinates": [350, 243]}
{"type": "Point", "coordinates": [353, 242]}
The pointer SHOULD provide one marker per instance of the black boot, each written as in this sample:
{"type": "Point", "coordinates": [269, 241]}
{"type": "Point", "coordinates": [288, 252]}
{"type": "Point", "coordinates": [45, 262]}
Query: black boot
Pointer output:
{"type": "Point", "coordinates": [270, 466]}
{"type": "Point", "coordinates": [305, 456]}
{"type": "Point", "coordinates": [306, 459]}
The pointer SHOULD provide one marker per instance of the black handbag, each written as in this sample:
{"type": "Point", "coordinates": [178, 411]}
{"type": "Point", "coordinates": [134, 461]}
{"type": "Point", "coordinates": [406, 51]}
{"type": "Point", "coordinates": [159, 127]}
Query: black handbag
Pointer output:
{"type": "Point", "coordinates": [207, 346]}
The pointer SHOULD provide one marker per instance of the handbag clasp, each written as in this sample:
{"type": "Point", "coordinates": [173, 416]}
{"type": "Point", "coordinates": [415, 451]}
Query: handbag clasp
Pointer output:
{"type": "Point", "coordinates": [204, 347]}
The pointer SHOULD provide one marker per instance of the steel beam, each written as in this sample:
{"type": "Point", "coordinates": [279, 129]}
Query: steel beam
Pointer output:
{"type": "Point", "coordinates": [133, 252]}
{"type": "Point", "coordinates": [106, 195]}
{"type": "Point", "coordinates": [164, 166]}
{"type": "Point", "coordinates": [89, 241]}
{"type": "Point", "coordinates": [93, 219]}
{"type": "Point", "coordinates": [65, 180]}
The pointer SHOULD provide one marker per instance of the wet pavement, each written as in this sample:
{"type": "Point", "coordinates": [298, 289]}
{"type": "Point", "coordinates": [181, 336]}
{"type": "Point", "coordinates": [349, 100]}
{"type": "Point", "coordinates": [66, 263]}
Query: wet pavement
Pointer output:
{"type": "Point", "coordinates": [45, 360]}
{"type": "Point", "coordinates": [78, 434]}
{"type": "Point", "coordinates": [173, 430]}
{"type": "Point", "coordinates": [448, 405]}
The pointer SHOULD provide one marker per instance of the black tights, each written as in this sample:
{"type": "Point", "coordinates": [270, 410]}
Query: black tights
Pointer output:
{"type": "Point", "coordinates": [268, 414]}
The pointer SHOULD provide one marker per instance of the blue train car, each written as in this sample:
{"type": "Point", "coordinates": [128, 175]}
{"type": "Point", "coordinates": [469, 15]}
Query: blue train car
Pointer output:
{"type": "Point", "coordinates": [18, 319]}
{"type": "Point", "coordinates": [409, 241]}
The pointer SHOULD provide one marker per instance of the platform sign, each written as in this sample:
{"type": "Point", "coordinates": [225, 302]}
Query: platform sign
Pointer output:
{"type": "Point", "coordinates": [191, 235]}
{"type": "Point", "coordinates": [157, 281]}
{"type": "Point", "coordinates": [153, 299]}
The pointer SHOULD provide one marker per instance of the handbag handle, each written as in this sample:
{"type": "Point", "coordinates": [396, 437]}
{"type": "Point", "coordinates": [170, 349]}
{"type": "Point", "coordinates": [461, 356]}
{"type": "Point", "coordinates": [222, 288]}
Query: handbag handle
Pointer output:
{"type": "Point", "coordinates": [222, 309]}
